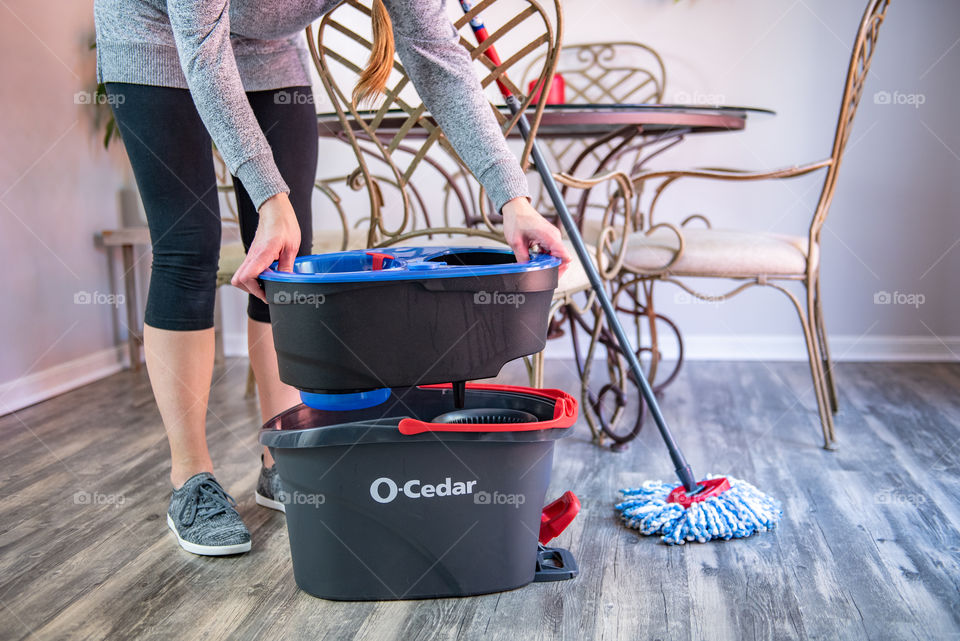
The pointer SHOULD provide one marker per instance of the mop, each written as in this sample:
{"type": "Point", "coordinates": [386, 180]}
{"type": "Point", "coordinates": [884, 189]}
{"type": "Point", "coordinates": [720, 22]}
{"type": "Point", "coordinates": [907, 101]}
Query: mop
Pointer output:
{"type": "Point", "coordinates": [716, 507]}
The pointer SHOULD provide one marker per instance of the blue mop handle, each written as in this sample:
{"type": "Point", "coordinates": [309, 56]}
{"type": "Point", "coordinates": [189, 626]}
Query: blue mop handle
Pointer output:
{"type": "Point", "coordinates": [684, 473]}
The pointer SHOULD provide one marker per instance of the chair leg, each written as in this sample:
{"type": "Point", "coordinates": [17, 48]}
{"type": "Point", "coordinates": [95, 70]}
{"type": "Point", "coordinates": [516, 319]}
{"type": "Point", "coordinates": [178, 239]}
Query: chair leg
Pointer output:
{"type": "Point", "coordinates": [536, 372]}
{"type": "Point", "coordinates": [825, 349]}
{"type": "Point", "coordinates": [644, 313]}
{"type": "Point", "coordinates": [585, 367]}
{"type": "Point", "coordinates": [529, 365]}
{"type": "Point", "coordinates": [816, 363]}
{"type": "Point", "coordinates": [218, 353]}
{"type": "Point", "coordinates": [651, 314]}
{"type": "Point", "coordinates": [251, 383]}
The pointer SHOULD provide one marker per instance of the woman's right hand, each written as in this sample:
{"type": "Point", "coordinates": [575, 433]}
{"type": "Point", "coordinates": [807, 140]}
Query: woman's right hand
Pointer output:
{"type": "Point", "coordinates": [277, 238]}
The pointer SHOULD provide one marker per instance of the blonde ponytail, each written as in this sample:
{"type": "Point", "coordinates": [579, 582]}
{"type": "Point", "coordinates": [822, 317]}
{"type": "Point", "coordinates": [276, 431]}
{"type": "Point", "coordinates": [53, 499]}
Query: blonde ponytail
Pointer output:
{"type": "Point", "coordinates": [374, 77]}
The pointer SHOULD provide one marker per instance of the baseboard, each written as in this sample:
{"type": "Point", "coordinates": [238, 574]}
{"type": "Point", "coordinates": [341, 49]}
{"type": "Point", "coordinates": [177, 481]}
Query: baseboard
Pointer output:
{"type": "Point", "coordinates": [792, 348]}
{"type": "Point", "coordinates": [773, 347]}
{"type": "Point", "coordinates": [39, 386]}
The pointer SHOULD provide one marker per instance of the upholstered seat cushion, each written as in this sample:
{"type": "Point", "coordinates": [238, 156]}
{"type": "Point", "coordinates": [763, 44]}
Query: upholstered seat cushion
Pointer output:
{"type": "Point", "coordinates": [719, 253]}
{"type": "Point", "coordinates": [575, 279]}
{"type": "Point", "coordinates": [589, 231]}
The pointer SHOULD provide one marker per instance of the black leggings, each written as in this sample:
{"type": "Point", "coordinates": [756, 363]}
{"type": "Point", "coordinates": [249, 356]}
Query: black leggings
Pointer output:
{"type": "Point", "coordinates": [170, 151]}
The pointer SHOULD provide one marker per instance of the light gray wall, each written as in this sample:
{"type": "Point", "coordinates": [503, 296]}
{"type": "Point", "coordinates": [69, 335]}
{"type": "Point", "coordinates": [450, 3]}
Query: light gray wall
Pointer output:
{"type": "Point", "coordinates": [57, 187]}
{"type": "Point", "coordinates": [893, 226]}
{"type": "Point", "coordinates": [894, 215]}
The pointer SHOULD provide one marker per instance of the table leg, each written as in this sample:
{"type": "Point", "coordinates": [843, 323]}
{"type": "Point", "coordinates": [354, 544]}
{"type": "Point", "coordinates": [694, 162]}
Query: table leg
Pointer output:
{"type": "Point", "coordinates": [134, 338]}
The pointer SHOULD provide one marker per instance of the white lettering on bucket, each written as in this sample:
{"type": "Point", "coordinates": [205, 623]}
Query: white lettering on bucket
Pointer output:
{"type": "Point", "coordinates": [408, 489]}
{"type": "Point", "coordinates": [391, 490]}
{"type": "Point", "coordinates": [385, 490]}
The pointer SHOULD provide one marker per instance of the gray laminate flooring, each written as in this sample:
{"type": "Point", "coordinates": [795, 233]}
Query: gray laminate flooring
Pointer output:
{"type": "Point", "coordinates": [869, 547]}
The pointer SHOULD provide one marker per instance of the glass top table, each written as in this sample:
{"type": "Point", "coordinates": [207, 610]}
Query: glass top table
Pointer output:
{"type": "Point", "coordinates": [595, 120]}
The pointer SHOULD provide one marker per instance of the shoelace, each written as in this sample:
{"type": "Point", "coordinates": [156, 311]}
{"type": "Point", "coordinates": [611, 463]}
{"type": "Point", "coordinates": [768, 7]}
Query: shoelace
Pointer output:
{"type": "Point", "coordinates": [208, 500]}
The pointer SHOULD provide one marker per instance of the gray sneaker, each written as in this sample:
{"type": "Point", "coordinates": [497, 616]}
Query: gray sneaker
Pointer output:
{"type": "Point", "coordinates": [205, 520]}
{"type": "Point", "coordinates": [269, 490]}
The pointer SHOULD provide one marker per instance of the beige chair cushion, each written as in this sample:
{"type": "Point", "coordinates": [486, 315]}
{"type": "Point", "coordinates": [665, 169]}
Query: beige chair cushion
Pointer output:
{"type": "Point", "coordinates": [231, 255]}
{"type": "Point", "coordinates": [720, 253]}
{"type": "Point", "coordinates": [324, 242]}
{"type": "Point", "coordinates": [590, 231]}
{"type": "Point", "coordinates": [575, 279]}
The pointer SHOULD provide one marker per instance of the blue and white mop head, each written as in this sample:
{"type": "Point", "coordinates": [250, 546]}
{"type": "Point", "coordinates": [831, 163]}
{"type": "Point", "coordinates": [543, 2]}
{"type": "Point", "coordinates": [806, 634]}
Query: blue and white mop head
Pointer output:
{"type": "Point", "coordinates": [736, 513]}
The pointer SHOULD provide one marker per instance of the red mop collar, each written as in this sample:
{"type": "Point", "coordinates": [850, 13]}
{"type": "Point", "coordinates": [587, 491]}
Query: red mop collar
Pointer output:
{"type": "Point", "coordinates": [711, 488]}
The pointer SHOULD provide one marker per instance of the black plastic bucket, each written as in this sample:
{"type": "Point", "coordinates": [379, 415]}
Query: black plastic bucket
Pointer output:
{"type": "Point", "coordinates": [382, 504]}
{"type": "Point", "coordinates": [406, 316]}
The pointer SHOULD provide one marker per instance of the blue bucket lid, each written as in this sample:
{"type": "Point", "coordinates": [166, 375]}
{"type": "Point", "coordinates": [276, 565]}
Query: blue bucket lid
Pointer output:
{"type": "Point", "coordinates": [343, 402]}
{"type": "Point", "coordinates": [406, 263]}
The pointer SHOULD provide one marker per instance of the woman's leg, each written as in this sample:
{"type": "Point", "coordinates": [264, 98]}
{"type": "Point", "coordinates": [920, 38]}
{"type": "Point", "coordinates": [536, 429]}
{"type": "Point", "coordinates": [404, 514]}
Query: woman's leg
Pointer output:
{"type": "Point", "coordinates": [170, 152]}
{"type": "Point", "coordinates": [275, 396]}
{"type": "Point", "coordinates": [180, 365]}
{"type": "Point", "coordinates": [288, 118]}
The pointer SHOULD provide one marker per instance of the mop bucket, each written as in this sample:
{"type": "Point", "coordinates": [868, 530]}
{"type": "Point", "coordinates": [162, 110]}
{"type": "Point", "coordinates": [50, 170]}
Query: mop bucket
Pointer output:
{"type": "Point", "coordinates": [384, 503]}
{"type": "Point", "coordinates": [360, 320]}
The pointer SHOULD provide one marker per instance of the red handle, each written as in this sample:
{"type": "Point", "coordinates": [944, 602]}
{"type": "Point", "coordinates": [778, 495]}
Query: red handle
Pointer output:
{"type": "Point", "coordinates": [564, 413]}
{"type": "Point", "coordinates": [492, 54]}
{"type": "Point", "coordinates": [558, 515]}
{"type": "Point", "coordinates": [378, 259]}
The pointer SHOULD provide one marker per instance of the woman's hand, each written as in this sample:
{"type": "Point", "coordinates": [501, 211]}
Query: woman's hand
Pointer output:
{"type": "Point", "coordinates": [523, 226]}
{"type": "Point", "coordinates": [277, 238]}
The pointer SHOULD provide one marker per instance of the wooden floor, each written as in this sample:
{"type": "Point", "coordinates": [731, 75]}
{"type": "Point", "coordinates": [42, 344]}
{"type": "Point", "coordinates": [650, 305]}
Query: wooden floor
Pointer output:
{"type": "Point", "coordinates": [869, 547]}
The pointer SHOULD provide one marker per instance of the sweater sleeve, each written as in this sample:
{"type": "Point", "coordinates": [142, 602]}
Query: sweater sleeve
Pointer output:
{"type": "Point", "coordinates": [201, 30]}
{"type": "Point", "coordinates": [443, 74]}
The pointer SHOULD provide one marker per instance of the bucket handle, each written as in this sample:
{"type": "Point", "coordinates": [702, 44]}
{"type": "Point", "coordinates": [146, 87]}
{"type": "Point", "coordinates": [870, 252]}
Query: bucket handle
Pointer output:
{"type": "Point", "coordinates": [564, 414]}
{"type": "Point", "coordinates": [557, 516]}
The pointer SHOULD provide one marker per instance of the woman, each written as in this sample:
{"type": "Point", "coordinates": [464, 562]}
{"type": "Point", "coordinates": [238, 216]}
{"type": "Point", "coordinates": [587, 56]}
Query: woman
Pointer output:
{"type": "Point", "coordinates": [189, 71]}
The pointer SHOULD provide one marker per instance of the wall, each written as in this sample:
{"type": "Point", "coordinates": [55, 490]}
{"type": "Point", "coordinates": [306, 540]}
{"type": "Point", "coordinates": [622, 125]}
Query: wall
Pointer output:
{"type": "Point", "coordinates": [893, 225]}
{"type": "Point", "coordinates": [57, 189]}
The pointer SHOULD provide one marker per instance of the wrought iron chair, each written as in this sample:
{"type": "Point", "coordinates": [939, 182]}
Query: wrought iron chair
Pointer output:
{"type": "Point", "coordinates": [665, 252]}
{"type": "Point", "coordinates": [615, 72]}
{"type": "Point", "coordinates": [401, 151]}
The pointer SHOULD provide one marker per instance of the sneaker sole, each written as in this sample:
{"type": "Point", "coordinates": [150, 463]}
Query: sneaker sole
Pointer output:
{"type": "Point", "coordinates": [270, 503]}
{"type": "Point", "coordinates": [207, 550]}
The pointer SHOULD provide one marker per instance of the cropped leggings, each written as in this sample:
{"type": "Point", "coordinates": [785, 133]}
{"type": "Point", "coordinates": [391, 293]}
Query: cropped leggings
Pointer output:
{"type": "Point", "coordinates": [171, 155]}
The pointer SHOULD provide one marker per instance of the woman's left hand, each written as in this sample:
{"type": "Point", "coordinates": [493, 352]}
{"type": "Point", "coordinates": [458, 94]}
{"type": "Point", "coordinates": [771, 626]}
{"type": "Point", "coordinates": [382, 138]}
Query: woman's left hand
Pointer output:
{"type": "Point", "coordinates": [277, 239]}
{"type": "Point", "coordinates": [523, 226]}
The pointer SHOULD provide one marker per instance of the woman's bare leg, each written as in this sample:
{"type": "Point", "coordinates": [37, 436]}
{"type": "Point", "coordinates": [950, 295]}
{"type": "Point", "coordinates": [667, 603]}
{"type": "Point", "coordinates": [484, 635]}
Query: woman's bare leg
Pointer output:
{"type": "Point", "coordinates": [180, 365]}
{"type": "Point", "coordinates": [275, 396]}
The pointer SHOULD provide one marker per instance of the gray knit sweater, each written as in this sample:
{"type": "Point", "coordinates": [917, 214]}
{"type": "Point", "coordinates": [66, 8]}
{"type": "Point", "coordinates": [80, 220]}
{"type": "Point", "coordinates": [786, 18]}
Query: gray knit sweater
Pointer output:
{"type": "Point", "coordinates": [218, 49]}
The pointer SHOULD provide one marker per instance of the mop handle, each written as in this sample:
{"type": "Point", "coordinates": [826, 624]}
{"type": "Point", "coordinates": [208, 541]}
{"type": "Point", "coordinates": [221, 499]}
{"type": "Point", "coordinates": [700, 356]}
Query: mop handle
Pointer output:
{"type": "Point", "coordinates": [684, 473]}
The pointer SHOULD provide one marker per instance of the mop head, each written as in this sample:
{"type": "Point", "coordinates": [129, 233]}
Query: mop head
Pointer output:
{"type": "Point", "coordinates": [735, 513]}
